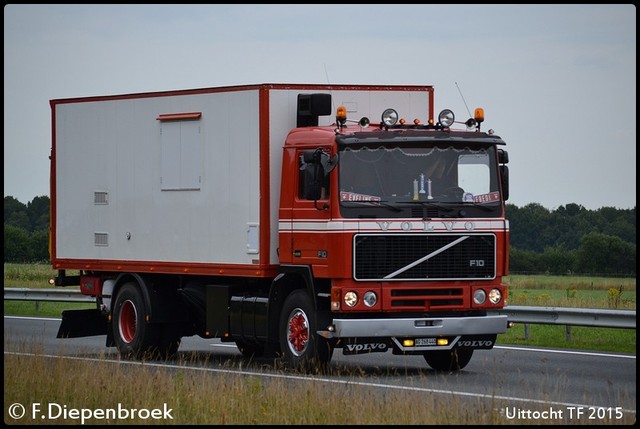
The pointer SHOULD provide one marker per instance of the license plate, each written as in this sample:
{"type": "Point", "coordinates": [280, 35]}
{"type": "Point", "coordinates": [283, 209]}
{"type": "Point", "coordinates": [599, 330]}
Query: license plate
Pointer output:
{"type": "Point", "coordinates": [425, 342]}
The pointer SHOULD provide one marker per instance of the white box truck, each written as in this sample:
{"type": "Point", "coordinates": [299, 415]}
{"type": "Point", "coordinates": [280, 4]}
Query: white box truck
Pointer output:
{"type": "Point", "coordinates": [281, 218]}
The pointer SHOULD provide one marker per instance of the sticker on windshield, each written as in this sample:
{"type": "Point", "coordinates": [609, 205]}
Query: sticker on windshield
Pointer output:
{"type": "Point", "coordinates": [352, 196]}
{"type": "Point", "coordinates": [486, 198]}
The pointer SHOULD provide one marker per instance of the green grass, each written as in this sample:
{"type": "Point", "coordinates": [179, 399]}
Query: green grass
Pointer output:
{"type": "Point", "coordinates": [35, 276]}
{"type": "Point", "coordinates": [43, 308]}
{"type": "Point", "coordinates": [570, 291]}
{"type": "Point", "coordinates": [616, 340]}
{"type": "Point", "coordinates": [204, 397]}
{"type": "Point", "coordinates": [29, 275]}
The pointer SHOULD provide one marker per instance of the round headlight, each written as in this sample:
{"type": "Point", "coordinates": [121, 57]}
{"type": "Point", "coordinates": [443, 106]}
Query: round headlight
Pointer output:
{"type": "Point", "coordinates": [495, 296]}
{"type": "Point", "coordinates": [479, 296]}
{"type": "Point", "coordinates": [389, 117]}
{"type": "Point", "coordinates": [446, 118]}
{"type": "Point", "coordinates": [370, 299]}
{"type": "Point", "coordinates": [351, 298]}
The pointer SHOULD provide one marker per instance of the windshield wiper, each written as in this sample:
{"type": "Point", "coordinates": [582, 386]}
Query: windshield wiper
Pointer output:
{"type": "Point", "coordinates": [451, 205]}
{"type": "Point", "coordinates": [438, 205]}
{"type": "Point", "coordinates": [479, 206]}
{"type": "Point", "coordinates": [384, 204]}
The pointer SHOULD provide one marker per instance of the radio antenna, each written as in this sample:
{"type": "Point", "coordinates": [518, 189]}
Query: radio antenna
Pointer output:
{"type": "Point", "coordinates": [326, 73]}
{"type": "Point", "coordinates": [463, 100]}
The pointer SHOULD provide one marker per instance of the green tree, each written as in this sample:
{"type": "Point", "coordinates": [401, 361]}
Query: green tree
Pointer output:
{"type": "Point", "coordinates": [558, 260]}
{"type": "Point", "coordinates": [38, 212]}
{"type": "Point", "coordinates": [16, 244]}
{"type": "Point", "coordinates": [525, 261]}
{"type": "Point", "coordinates": [15, 213]}
{"type": "Point", "coordinates": [603, 254]}
{"type": "Point", "coordinates": [39, 246]}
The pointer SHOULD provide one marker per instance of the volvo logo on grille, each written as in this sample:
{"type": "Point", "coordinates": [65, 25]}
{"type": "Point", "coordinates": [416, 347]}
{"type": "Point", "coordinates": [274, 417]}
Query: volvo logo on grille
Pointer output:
{"type": "Point", "coordinates": [424, 226]}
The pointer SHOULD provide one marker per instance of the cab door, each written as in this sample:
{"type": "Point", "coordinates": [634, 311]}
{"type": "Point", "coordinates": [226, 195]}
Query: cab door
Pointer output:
{"type": "Point", "coordinates": [310, 217]}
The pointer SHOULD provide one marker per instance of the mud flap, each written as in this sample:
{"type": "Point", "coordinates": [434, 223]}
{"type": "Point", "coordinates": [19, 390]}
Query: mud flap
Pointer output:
{"type": "Point", "coordinates": [82, 323]}
{"type": "Point", "coordinates": [479, 342]}
{"type": "Point", "coordinates": [356, 346]}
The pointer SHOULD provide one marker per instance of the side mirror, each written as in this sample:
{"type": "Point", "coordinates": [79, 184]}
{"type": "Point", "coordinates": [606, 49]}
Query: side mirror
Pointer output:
{"type": "Point", "coordinates": [504, 178]}
{"type": "Point", "coordinates": [329, 164]}
{"type": "Point", "coordinates": [318, 156]}
{"type": "Point", "coordinates": [312, 181]}
{"type": "Point", "coordinates": [503, 156]}
{"type": "Point", "coordinates": [315, 166]}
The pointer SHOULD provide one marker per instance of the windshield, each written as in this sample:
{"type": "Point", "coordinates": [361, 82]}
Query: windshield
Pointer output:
{"type": "Point", "coordinates": [438, 175]}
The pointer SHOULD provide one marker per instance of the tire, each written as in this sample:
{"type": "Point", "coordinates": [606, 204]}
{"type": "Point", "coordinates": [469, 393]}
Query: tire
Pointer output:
{"type": "Point", "coordinates": [302, 348]}
{"type": "Point", "coordinates": [448, 360]}
{"type": "Point", "coordinates": [134, 337]}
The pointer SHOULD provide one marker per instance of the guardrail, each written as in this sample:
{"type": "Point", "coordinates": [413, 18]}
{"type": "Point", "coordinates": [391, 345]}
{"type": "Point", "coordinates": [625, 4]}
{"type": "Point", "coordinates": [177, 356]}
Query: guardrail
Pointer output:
{"type": "Point", "coordinates": [591, 317]}
{"type": "Point", "coordinates": [54, 295]}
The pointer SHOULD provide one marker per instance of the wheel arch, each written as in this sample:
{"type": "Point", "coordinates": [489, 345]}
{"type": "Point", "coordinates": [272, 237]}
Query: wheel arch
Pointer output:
{"type": "Point", "coordinates": [290, 278]}
{"type": "Point", "coordinates": [140, 283]}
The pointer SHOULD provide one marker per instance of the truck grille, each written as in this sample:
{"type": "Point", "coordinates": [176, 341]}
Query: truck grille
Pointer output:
{"type": "Point", "coordinates": [391, 257]}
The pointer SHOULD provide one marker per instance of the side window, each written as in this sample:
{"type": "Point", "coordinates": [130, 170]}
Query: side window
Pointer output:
{"type": "Point", "coordinates": [307, 174]}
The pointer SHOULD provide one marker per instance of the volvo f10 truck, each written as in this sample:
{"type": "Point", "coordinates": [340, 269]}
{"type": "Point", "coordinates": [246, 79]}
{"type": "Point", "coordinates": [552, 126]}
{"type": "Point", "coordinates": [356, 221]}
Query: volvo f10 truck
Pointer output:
{"type": "Point", "coordinates": [291, 219]}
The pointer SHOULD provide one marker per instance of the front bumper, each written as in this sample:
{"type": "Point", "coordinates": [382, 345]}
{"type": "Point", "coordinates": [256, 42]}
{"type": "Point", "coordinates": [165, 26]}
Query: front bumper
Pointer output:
{"type": "Point", "coordinates": [417, 327]}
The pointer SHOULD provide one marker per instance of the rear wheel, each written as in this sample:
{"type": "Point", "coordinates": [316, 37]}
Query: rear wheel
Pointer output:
{"type": "Point", "coordinates": [448, 360]}
{"type": "Point", "coordinates": [134, 336]}
{"type": "Point", "coordinates": [301, 346]}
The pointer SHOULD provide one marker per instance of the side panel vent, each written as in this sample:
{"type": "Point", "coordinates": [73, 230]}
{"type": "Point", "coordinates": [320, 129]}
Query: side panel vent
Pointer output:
{"type": "Point", "coordinates": [101, 239]}
{"type": "Point", "coordinates": [100, 197]}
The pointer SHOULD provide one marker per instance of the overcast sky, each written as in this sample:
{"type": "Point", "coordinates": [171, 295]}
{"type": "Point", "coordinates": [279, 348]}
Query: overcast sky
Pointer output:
{"type": "Point", "coordinates": [557, 83]}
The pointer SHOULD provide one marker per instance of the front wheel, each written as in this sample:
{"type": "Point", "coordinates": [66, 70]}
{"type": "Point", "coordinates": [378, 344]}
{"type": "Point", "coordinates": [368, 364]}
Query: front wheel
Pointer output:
{"type": "Point", "coordinates": [301, 346]}
{"type": "Point", "coordinates": [448, 360]}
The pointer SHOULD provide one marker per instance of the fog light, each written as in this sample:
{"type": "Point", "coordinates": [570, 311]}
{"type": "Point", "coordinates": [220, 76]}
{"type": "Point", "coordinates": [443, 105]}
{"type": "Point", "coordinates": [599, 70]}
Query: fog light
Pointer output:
{"type": "Point", "coordinates": [370, 299]}
{"type": "Point", "coordinates": [442, 341]}
{"type": "Point", "coordinates": [351, 298]}
{"type": "Point", "coordinates": [495, 296]}
{"type": "Point", "coordinates": [408, 343]}
{"type": "Point", "coordinates": [479, 296]}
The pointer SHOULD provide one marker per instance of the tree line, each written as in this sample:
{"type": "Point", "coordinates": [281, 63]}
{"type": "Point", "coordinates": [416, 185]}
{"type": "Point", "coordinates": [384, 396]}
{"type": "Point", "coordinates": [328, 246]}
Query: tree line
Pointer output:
{"type": "Point", "coordinates": [572, 240]}
{"type": "Point", "coordinates": [566, 240]}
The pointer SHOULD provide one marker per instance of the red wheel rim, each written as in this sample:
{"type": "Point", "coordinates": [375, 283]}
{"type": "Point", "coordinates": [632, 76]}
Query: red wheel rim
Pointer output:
{"type": "Point", "coordinates": [298, 332]}
{"type": "Point", "coordinates": [127, 322]}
